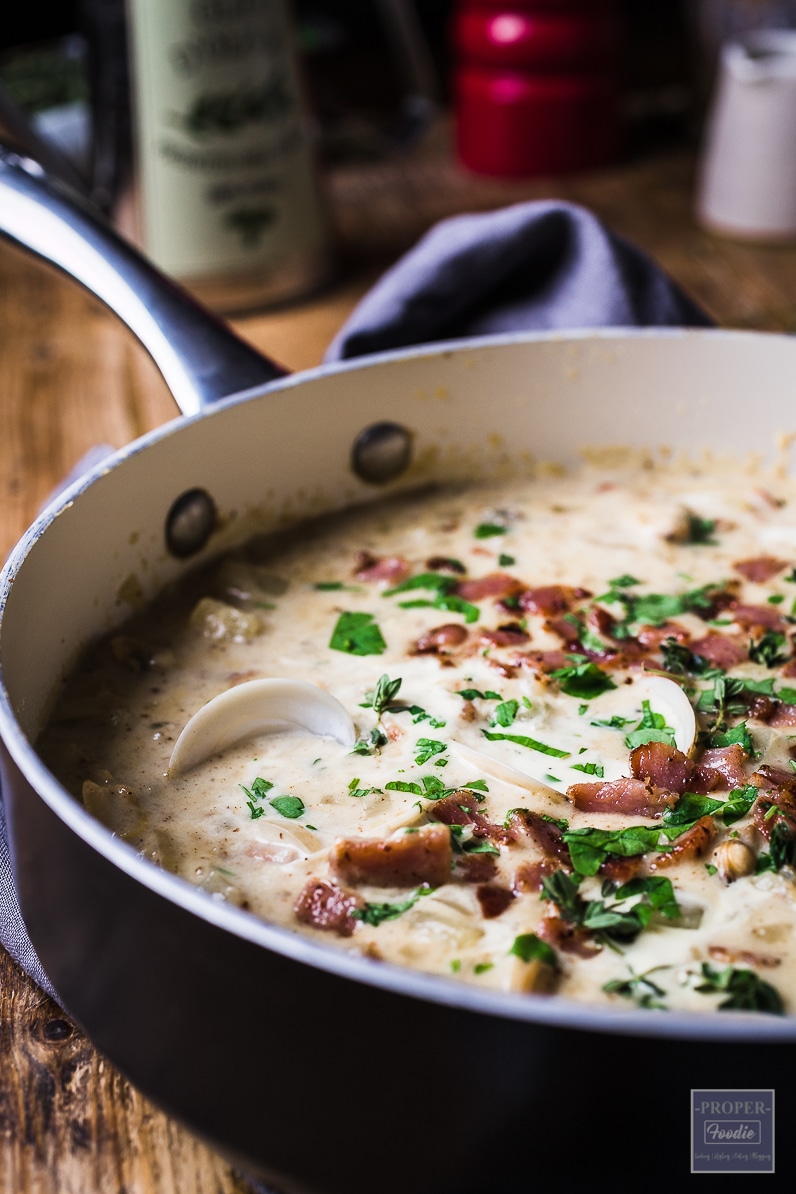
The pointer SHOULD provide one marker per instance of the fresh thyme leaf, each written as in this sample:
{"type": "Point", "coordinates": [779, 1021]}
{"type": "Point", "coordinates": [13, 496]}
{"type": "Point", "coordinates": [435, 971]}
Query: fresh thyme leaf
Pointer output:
{"type": "Point", "coordinates": [505, 713]}
{"type": "Point", "coordinates": [530, 948]}
{"type": "Point", "coordinates": [638, 987]}
{"type": "Point", "coordinates": [426, 749]}
{"type": "Point", "coordinates": [288, 806]}
{"type": "Point", "coordinates": [746, 991]}
{"type": "Point", "coordinates": [770, 650]}
{"type": "Point", "coordinates": [609, 924]}
{"type": "Point", "coordinates": [376, 914]}
{"type": "Point", "coordinates": [651, 728]}
{"type": "Point", "coordinates": [486, 530]}
{"type": "Point", "coordinates": [529, 743]}
{"type": "Point", "coordinates": [256, 810]}
{"type": "Point", "coordinates": [731, 696]}
{"type": "Point", "coordinates": [680, 660]}
{"type": "Point", "coordinates": [372, 744]}
{"type": "Point", "coordinates": [382, 695]}
{"type": "Point", "coordinates": [357, 634]}
{"type": "Point", "coordinates": [583, 679]}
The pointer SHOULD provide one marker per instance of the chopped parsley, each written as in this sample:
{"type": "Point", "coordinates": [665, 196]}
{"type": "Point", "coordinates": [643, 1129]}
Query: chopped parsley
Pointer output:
{"type": "Point", "coordinates": [770, 650]}
{"type": "Point", "coordinates": [656, 608]}
{"type": "Point", "coordinates": [651, 728]}
{"type": "Point", "coordinates": [590, 847]}
{"type": "Point", "coordinates": [583, 679]}
{"type": "Point", "coordinates": [288, 806]}
{"type": "Point", "coordinates": [449, 602]}
{"type": "Point", "coordinates": [679, 660]}
{"type": "Point", "coordinates": [609, 924]}
{"type": "Point", "coordinates": [590, 769]}
{"type": "Point", "coordinates": [426, 749]}
{"type": "Point", "coordinates": [506, 561]}
{"type": "Point", "coordinates": [638, 987]}
{"type": "Point", "coordinates": [355, 790]}
{"type": "Point", "coordinates": [738, 734]}
{"type": "Point", "coordinates": [614, 723]}
{"type": "Point", "coordinates": [357, 634]}
{"type": "Point", "coordinates": [505, 713]}
{"type": "Point", "coordinates": [746, 991]}
{"type": "Point", "coordinates": [438, 581]}
{"type": "Point", "coordinates": [372, 744]}
{"type": "Point", "coordinates": [781, 851]}
{"type": "Point", "coordinates": [691, 807]}
{"type": "Point", "coordinates": [530, 948]}
{"type": "Point", "coordinates": [472, 694]}
{"type": "Point", "coordinates": [700, 530]}
{"type": "Point", "coordinates": [376, 914]}
{"type": "Point", "coordinates": [529, 743]}
{"type": "Point", "coordinates": [487, 530]}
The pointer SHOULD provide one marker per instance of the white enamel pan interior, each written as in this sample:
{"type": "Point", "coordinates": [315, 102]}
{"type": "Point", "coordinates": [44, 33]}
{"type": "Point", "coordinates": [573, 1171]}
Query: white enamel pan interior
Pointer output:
{"type": "Point", "coordinates": [276, 453]}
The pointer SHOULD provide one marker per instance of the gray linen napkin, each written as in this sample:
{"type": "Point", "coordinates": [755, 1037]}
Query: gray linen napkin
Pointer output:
{"type": "Point", "coordinates": [535, 265]}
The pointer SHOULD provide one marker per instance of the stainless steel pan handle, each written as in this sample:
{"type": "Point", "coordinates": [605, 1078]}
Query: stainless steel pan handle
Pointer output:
{"type": "Point", "coordinates": [200, 357]}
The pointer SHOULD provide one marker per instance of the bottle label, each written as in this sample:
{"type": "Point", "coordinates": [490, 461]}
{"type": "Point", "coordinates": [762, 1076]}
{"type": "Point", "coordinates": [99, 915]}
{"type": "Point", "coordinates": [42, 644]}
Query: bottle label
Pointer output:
{"type": "Point", "coordinates": [227, 183]}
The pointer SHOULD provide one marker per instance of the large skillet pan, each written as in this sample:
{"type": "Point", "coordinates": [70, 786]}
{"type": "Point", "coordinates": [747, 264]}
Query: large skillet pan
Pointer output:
{"type": "Point", "coordinates": [318, 1069]}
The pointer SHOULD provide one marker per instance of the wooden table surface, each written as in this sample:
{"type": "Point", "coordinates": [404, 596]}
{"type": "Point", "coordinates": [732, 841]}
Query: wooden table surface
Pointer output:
{"type": "Point", "coordinates": [71, 376]}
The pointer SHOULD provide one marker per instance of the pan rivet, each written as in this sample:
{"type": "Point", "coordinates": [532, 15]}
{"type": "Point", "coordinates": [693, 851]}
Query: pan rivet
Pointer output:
{"type": "Point", "coordinates": [381, 452]}
{"type": "Point", "coordinates": [190, 522]}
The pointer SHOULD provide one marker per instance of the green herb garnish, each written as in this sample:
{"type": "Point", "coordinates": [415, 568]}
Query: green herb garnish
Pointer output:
{"type": "Point", "coordinates": [486, 530]}
{"type": "Point", "coordinates": [746, 991]}
{"type": "Point", "coordinates": [357, 634]}
{"type": "Point", "coordinates": [530, 948]}
{"type": "Point", "coordinates": [583, 679]}
{"type": "Point", "coordinates": [382, 695]}
{"type": "Point", "coordinates": [288, 806]}
{"type": "Point", "coordinates": [376, 914]}
{"type": "Point", "coordinates": [528, 743]}
{"type": "Point", "coordinates": [651, 728]}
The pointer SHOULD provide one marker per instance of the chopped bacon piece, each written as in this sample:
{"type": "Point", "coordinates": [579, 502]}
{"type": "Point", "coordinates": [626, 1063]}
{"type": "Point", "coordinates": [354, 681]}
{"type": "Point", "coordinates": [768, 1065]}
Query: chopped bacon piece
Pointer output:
{"type": "Point", "coordinates": [636, 797]}
{"type": "Point", "coordinates": [720, 650]}
{"type": "Point", "coordinates": [461, 808]}
{"type": "Point", "coordinates": [731, 957]}
{"type": "Point", "coordinates": [568, 631]}
{"type": "Point", "coordinates": [666, 766]}
{"type": "Point", "coordinates": [497, 585]}
{"type": "Point", "coordinates": [728, 761]}
{"type": "Point", "coordinates": [511, 635]}
{"type": "Point", "coordinates": [522, 822]}
{"type": "Point", "coordinates": [599, 620]}
{"type": "Point", "coordinates": [621, 869]}
{"type": "Point", "coordinates": [494, 899]}
{"type": "Point", "coordinates": [475, 868]}
{"type": "Point", "coordinates": [441, 640]}
{"type": "Point", "coordinates": [788, 670]}
{"type": "Point", "coordinates": [542, 661]}
{"type": "Point", "coordinates": [389, 568]}
{"type": "Point", "coordinates": [774, 777]}
{"type": "Point", "coordinates": [565, 936]}
{"type": "Point", "coordinates": [403, 860]}
{"type": "Point", "coordinates": [444, 564]}
{"type": "Point", "coordinates": [324, 905]}
{"type": "Point", "coordinates": [551, 599]}
{"type": "Point", "coordinates": [760, 569]}
{"type": "Point", "coordinates": [764, 616]}
{"type": "Point", "coordinates": [529, 875]}
{"type": "Point", "coordinates": [783, 715]}
{"type": "Point", "coordinates": [690, 844]}
{"type": "Point", "coordinates": [761, 708]}
{"type": "Point", "coordinates": [652, 637]}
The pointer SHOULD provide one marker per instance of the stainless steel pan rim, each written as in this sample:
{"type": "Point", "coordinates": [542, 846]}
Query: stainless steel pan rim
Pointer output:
{"type": "Point", "coordinates": [549, 1011]}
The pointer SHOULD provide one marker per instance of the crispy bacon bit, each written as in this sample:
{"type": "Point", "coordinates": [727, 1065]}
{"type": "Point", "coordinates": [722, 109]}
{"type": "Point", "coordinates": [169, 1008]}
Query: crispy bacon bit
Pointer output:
{"type": "Point", "coordinates": [324, 905]}
{"type": "Point", "coordinates": [651, 637]}
{"type": "Point", "coordinates": [764, 617]}
{"type": "Point", "coordinates": [497, 585]}
{"type": "Point", "coordinates": [529, 875]}
{"type": "Point", "coordinates": [666, 766]}
{"type": "Point", "coordinates": [522, 822]}
{"type": "Point", "coordinates": [510, 635]}
{"type": "Point", "coordinates": [461, 808]}
{"type": "Point", "coordinates": [441, 640]}
{"type": "Point", "coordinates": [636, 797]}
{"type": "Point", "coordinates": [774, 777]}
{"type": "Point", "coordinates": [468, 711]}
{"type": "Point", "coordinates": [444, 564]}
{"type": "Point", "coordinates": [494, 899]}
{"type": "Point", "coordinates": [565, 936]}
{"type": "Point", "coordinates": [542, 661]}
{"type": "Point", "coordinates": [475, 868]}
{"type": "Point", "coordinates": [720, 650]}
{"type": "Point", "coordinates": [551, 600]}
{"type": "Point", "coordinates": [728, 761]}
{"type": "Point", "coordinates": [621, 869]}
{"type": "Point", "coordinates": [783, 715]}
{"type": "Point", "coordinates": [569, 632]}
{"type": "Point", "coordinates": [599, 620]}
{"type": "Point", "coordinates": [731, 957]}
{"type": "Point", "coordinates": [404, 860]}
{"type": "Point", "coordinates": [690, 844]}
{"type": "Point", "coordinates": [761, 708]}
{"type": "Point", "coordinates": [389, 568]}
{"type": "Point", "coordinates": [760, 569]}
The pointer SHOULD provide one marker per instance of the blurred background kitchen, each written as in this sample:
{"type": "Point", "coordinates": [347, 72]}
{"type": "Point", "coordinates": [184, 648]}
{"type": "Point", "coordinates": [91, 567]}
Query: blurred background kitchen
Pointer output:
{"type": "Point", "coordinates": [402, 113]}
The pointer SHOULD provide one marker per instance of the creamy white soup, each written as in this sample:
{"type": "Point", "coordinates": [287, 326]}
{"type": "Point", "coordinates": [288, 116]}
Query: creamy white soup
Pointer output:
{"type": "Point", "coordinates": [573, 766]}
